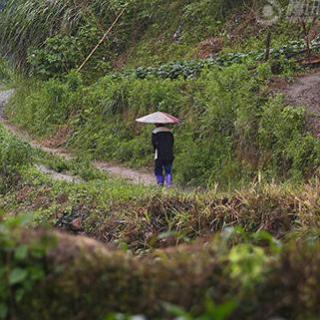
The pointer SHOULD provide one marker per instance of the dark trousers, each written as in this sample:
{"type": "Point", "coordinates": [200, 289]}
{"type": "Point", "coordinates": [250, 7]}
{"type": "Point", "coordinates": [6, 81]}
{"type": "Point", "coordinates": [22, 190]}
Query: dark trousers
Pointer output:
{"type": "Point", "coordinates": [166, 166]}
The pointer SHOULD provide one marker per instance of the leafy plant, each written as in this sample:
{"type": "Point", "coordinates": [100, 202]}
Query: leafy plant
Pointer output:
{"type": "Point", "coordinates": [192, 69]}
{"type": "Point", "coordinates": [281, 131]}
{"type": "Point", "coordinates": [212, 311]}
{"type": "Point", "coordinates": [247, 264]}
{"type": "Point", "coordinates": [13, 155]}
{"type": "Point", "coordinates": [7, 73]}
{"type": "Point", "coordinates": [21, 266]}
{"type": "Point", "coordinates": [59, 55]}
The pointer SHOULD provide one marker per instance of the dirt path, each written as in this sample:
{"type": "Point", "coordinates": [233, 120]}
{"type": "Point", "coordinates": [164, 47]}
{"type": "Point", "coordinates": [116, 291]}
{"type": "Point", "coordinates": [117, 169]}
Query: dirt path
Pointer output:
{"type": "Point", "coordinates": [58, 176]}
{"type": "Point", "coordinates": [305, 92]}
{"type": "Point", "coordinates": [117, 171]}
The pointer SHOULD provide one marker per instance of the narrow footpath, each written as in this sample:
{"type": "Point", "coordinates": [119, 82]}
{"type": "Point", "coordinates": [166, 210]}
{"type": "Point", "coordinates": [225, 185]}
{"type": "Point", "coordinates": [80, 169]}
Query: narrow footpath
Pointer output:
{"type": "Point", "coordinates": [116, 171]}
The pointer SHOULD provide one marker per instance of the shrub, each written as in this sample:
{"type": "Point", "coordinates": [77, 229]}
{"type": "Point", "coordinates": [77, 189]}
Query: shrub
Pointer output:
{"type": "Point", "coordinates": [13, 155]}
{"type": "Point", "coordinates": [62, 53]}
{"type": "Point", "coordinates": [59, 55]}
{"type": "Point", "coordinates": [22, 265]}
{"type": "Point", "coordinates": [288, 149]}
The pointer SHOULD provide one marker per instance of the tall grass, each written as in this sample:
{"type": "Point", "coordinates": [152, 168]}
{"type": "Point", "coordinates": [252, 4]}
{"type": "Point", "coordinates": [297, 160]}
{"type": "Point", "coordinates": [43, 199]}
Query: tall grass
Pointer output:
{"type": "Point", "coordinates": [27, 23]}
{"type": "Point", "coordinates": [8, 74]}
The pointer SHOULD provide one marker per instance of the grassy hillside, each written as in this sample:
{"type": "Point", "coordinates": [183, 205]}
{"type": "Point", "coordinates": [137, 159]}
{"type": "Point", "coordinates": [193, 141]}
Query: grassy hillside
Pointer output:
{"type": "Point", "coordinates": [227, 136]}
{"type": "Point", "coordinates": [147, 28]}
{"type": "Point", "coordinates": [51, 38]}
{"type": "Point", "coordinates": [244, 244]}
{"type": "Point", "coordinates": [224, 138]}
{"type": "Point", "coordinates": [228, 262]}
{"type": "Point", "coordinates": [231, 130]}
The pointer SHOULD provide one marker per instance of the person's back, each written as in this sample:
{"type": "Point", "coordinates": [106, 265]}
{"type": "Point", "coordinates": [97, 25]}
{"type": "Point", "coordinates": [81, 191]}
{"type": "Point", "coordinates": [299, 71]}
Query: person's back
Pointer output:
{"type": "Point", "coordinates": [163, 142]}
{"type": "Point", "coordinates": [162, 139]}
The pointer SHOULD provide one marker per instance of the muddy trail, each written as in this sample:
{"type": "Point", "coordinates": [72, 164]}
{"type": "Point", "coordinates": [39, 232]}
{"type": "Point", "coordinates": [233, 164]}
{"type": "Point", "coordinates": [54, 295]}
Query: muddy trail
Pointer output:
{"type": "Point", "coordinates": [114, 170]}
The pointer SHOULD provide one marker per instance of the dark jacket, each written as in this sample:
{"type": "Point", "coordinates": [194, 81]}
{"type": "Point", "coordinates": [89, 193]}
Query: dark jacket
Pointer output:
{"type": "Point", "coordinates": [163, 141]}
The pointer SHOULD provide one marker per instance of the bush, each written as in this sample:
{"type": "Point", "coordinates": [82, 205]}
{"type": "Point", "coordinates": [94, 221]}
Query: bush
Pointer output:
{"type": "Point", "coordinates": [288, 149]}
{"type": "Point", "coordinates": [25, 26]}
{"type": "Point", "coordinates": [13, 155]}
{"type": "Point", "coordinates": [59, 55]}
{"type": "Point", "coordinates": [22, 265]}
{"type": "Point", "coordinates": [62, 53]}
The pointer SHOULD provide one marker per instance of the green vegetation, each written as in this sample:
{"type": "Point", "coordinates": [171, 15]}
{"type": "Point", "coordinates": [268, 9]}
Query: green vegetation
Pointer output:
{"type": "Point", "coordinates": [69, 30]}
{"type": "Point", "coordinates": [230, 129]}
{"type": "Point", "coordinates": [13, 155]}
{"type": "Point", "coordinates": [207, 275]}
{"type": "Point", "coordinates": [282, 58]}
{"type": "Point", "coordinates": [236, 265]}
{"type": "Point", "coordinates": [241, 243]}
{"type": "Point", "coordinates": [22, 265]}
{"type": "Point", "coordinates": [97, 116]}
{"type": "Point", "coordinates": [50, 38]}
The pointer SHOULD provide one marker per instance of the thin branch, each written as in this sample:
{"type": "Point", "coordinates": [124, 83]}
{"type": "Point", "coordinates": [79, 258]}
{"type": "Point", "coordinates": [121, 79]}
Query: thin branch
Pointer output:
{"type": "Point", "coordinates": [102, 39]}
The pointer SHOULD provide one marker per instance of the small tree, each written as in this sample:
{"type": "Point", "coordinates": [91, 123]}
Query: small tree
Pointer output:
{"type": "Point", "coordinates": [306, 14]}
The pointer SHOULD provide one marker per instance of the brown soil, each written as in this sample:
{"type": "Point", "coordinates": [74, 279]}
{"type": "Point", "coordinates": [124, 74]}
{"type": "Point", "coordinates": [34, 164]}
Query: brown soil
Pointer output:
{"type": "Point", "coordinates": [59, 139]}
{"type": "Point", "coordinates": [210, 47]}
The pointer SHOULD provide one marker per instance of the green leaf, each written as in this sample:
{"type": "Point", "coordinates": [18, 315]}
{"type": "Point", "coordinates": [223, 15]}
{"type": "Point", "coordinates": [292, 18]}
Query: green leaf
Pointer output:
{"type": "Point", "coordinates": [3, 311]}
{"type": "Point", "coordinates": [225, 311]}
{"type": "Point", "coordinates": [21, 253]}
{"type": "Point", "coordinates": [19, 294]}
{"type": "Point", "coordinates": [17, 275]}
{"type": "Point", "coordinates": [177, 311]}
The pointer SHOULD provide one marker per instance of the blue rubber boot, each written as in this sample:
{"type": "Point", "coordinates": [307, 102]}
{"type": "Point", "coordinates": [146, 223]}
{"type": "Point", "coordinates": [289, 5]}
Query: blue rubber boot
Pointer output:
{"type": "Point", "coordinates": [160, 181]}
{"type": "Point", "coordinates": [169, 180]}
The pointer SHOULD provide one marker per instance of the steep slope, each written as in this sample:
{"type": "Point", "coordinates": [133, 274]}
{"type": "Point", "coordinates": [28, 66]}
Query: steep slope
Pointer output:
{"type": "Point", "coordinates": [51, 38]}
{"type": "Point", "coordinates": [162, 29]}
{"type": "Point", "coordinates": [305, 92]}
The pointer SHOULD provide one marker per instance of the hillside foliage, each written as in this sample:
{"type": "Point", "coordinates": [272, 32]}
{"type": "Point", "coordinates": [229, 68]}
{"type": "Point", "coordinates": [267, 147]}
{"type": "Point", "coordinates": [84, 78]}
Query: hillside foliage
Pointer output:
{"type": "Point", "coordinates": [230, 131]}
{"type": "Point", "coordinates": [55, 36]}
{"type": "Point", "coordinates": [238, 238]}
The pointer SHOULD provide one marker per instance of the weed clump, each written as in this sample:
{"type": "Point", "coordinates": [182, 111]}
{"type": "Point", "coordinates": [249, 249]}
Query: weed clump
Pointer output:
{"type": "Point", "coordinates": [115, 213]}
{"type": "Point", "coordinates": [14, 154]}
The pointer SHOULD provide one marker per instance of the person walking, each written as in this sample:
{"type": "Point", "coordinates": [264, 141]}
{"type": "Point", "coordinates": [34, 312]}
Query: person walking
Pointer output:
{"type": "Point", "coordinates": [163, 142]}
